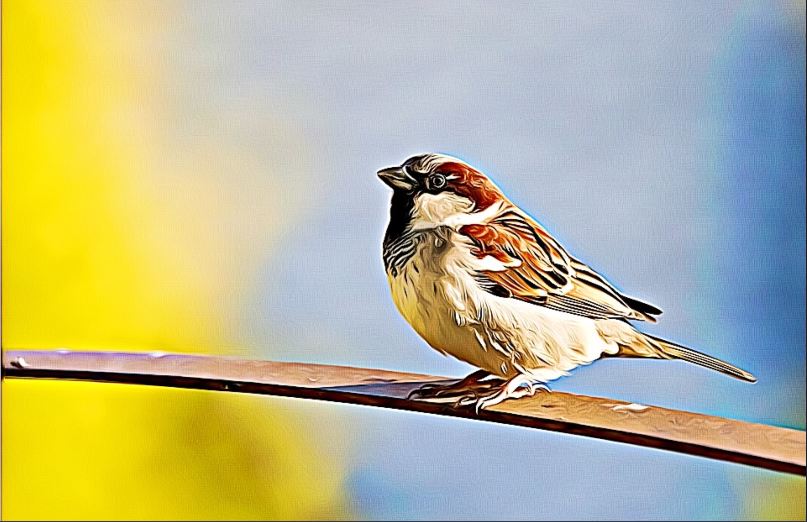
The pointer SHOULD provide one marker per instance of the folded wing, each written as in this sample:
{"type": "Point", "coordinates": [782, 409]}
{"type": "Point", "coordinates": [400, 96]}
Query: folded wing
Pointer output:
{"type": "Point", "coordinates": [538, 270]}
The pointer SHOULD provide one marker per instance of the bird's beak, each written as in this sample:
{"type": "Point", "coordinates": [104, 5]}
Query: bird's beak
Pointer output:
{"type": "Point", "coordinates": [396, 178]}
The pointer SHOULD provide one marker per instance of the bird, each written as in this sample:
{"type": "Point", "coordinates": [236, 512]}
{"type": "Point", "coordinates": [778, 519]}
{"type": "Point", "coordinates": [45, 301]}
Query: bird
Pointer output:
{"type": "Point", "coordinates": [482, 281]}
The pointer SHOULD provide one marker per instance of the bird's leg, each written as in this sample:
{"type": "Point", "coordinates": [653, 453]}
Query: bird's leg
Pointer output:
{"type": "Point", "coordinates": [463, 387]}
{"type": "Point", "coordinates": [515, 388]}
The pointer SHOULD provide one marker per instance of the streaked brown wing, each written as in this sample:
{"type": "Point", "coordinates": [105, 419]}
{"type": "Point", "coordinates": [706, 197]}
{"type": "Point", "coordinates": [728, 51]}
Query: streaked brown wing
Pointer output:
{"type": "Point", "coordinates": [541, 272]}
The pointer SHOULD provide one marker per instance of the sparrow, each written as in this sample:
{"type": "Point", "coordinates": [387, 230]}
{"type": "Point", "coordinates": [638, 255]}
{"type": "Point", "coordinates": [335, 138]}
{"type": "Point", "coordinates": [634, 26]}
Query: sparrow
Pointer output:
{"type": "Point", "coordinates": [480, 280]}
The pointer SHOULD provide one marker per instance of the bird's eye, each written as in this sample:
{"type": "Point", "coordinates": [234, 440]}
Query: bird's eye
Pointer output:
{"type": "Point", "coordinates": [437, 181]}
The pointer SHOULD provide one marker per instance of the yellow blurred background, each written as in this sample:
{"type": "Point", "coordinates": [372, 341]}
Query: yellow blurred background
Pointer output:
{"type": "Point", "coordinates": [107, 244]}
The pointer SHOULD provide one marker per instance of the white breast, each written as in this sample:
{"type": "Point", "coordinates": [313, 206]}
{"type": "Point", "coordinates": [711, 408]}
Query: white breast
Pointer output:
{"type": "Point", "coordinates": [437, 294]}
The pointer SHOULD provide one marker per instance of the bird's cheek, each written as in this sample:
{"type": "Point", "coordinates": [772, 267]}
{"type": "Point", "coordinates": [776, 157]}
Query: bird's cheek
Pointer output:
{"type": "Point", "coordinates": [440, 209]}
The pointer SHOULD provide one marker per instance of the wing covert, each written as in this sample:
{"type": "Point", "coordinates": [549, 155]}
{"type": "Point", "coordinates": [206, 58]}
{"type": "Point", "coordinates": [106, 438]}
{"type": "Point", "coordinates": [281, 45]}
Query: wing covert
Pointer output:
{"type": "Point", "coordinates": [540, 271]}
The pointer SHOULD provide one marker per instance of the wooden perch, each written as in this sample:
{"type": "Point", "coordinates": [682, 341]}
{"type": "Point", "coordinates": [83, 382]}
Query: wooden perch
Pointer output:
{"type": "Point", "coordinates": [770, 447]}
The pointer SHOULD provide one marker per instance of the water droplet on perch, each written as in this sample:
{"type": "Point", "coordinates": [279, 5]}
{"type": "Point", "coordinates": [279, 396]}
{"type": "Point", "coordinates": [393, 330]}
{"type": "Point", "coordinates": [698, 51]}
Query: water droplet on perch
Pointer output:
{"type": "Point", "coordinates": [19, 362]}
{"type": "Point", "coordinates": [630, 407]}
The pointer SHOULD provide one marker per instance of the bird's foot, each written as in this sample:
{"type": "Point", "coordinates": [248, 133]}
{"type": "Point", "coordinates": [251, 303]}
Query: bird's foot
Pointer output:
{"type": "Point", "coordinates": [454, 391]}
{"type": "Point", "coordinates": [515, 388]}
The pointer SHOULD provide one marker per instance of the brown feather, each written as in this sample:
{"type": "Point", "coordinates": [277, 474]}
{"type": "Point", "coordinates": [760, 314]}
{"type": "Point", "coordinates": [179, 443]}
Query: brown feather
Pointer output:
{"type": "Point", "coordinates": [542, 272]}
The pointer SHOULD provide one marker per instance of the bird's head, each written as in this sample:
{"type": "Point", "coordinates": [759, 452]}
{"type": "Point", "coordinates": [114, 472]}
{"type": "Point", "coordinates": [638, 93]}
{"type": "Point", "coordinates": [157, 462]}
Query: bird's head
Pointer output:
{"type": "Point", "coordinates": [432, 190]}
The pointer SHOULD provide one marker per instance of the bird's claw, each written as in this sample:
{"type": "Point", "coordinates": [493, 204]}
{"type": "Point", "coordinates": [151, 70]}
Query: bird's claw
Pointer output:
{"type": "Point", "coordinates": [513, 389]}
{"type": "Point", "coordinates": [428, 391]}
{"type": "Point", "coordinates": [422, 392]}
{"type": "Point", "coordinates": [480, 394]}
{"type": "Point", "coordinates": [452, 389]}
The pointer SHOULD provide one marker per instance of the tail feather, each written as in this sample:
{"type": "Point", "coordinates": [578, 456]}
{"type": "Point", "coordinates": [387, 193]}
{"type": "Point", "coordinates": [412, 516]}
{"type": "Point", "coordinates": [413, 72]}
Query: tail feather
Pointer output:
{"type": "Point", "coordinates": [676, 351]}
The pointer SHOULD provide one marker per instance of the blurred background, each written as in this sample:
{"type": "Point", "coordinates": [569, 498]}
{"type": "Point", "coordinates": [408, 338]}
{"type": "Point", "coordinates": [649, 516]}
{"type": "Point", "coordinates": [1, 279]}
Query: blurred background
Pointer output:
{"type": "Point", "coordinates": [200, 177]}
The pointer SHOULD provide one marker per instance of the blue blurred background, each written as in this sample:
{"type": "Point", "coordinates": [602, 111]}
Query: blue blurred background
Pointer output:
{"type": "Point", "coordinates": [662, 142]}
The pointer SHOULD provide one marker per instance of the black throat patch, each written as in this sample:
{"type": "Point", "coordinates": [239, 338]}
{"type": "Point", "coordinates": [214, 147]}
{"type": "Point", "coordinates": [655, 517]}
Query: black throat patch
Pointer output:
{"type": "Point", "coordinates": [399, 243]}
